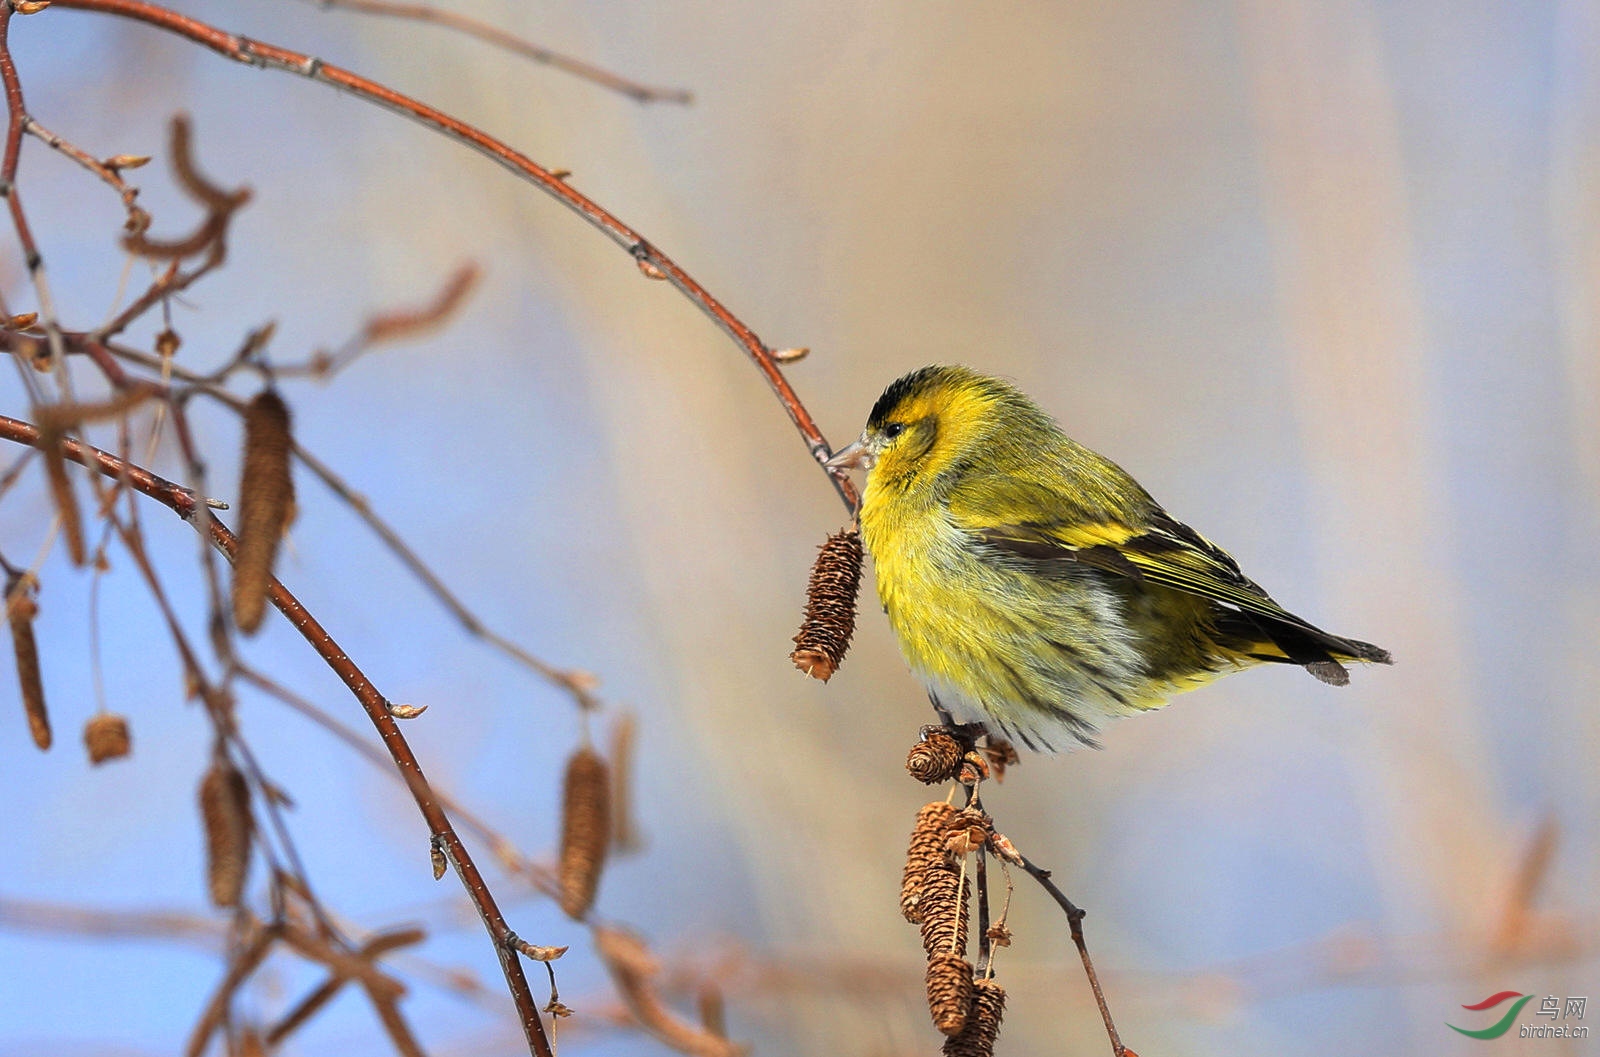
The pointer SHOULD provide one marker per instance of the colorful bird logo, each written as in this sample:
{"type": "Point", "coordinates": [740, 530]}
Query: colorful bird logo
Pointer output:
{"type": "Point", "coordinates": [1503, 1025]}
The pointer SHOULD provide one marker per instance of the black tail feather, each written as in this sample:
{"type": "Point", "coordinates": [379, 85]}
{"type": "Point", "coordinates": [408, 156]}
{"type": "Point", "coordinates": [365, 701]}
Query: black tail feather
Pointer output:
{"type": "Point", "coordinates": [1310, 647]}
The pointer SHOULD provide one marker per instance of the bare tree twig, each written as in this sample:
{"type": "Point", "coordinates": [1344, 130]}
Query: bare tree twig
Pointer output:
{"type": "Point", "coordinates": [1075, 916]}
{"type": "Point", "coordinates": [493, 35]}
{"type": "Point", "coordinates": [183, 502]}
{"type": "Point", "coordinates": [650, 260]}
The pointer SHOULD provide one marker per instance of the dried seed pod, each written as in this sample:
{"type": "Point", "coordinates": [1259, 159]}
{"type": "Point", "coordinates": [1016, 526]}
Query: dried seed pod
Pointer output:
{"type": "Point", "coordinates": [106, 737]}
{"type": "Point", "coordinates": [1001, 754]}
{"type": "Point", "coordinates": [1001, 845]}
{"type": "Point", "coordinates": [830, 620]}
{"type": "Point", "coordinates": [974, 769]}
{"type": "Point", "coordinates": [968, 832]}
{"type": "Point", "coordinates": [266, 497]}
{"type": "Point", "coordinates": [926, 850]}
{"type": "Point", "coordinates": [20, 611]}
{"type": "Point", "coordinates": [225, 809]}
{"type": "Point", "coordinates": [585, 830]}
{"type": "Point", "coordinates": [949, 991]}
{"type": "Point", "coordinates": [983, 1022]}
{"type": "Point", "coordinates": [944, 910]}
{"type": "Point", "coordinates": [935, 758]}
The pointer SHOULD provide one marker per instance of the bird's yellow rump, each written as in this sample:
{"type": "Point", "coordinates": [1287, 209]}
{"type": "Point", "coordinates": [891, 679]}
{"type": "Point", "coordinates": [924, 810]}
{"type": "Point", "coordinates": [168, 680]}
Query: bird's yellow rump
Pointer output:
{"type": "Point", "coordinates": [1033, 584]}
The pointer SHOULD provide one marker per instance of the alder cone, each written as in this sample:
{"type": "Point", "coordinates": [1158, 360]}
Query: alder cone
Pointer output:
{"type": "Point", "coordinates": [106, 737]}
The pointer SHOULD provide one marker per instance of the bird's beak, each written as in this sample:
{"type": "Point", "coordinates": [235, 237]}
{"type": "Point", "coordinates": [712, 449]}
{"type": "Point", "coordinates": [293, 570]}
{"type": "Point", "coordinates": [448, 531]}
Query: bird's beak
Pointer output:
{"type": "Point", "coordinates": [855, 456]}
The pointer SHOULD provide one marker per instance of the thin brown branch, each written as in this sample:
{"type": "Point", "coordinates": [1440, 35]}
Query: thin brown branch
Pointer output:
{"type": "Point", "coordinates": [1075, 916]}
{"type": "Point", "coordinates": [241, 965]}
{"type": "Point", "coordinates": [645, 255]}
{"type": "Point", "coordinates": [65, 919]}
{"type": "Point", "coordinates": [505, 851]}
{"type": "Point", "coordinates": [108, 171]}
{"type": "Point", "coordinates": [17, 113]}
{"type": "Point", "coordinates": [578, 684]}
{"type": "Point", "coordinates": [499, 38]}
{"type": "Point", "coordinates": [209, 239]}
{"type": "Point", "coordinates": [392, 325]}
{"type": "Point", "coordinates": [182, 502]}
{"type": "Point", "coordinates": [328, 989]}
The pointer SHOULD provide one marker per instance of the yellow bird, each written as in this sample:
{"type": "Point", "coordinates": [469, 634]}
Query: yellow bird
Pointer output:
{"type": "Point", "coordinates": [1033, 584]}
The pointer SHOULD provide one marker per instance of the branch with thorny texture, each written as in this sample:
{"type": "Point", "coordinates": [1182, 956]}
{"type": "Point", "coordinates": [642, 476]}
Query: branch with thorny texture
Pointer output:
{"type": "Point", "coordinates": [184, 503]}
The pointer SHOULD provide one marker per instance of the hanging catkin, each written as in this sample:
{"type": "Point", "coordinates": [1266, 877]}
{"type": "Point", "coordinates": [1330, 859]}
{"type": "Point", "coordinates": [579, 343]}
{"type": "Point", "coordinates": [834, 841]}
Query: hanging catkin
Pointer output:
{"type": "Point", "coordinates": [983, 1022]}
{"type": "Point", "coordinates": [830, 619]}
{"type": "Point", "coordinates": [20, 611]}
{"type": "Point", "coordinates": [225, 810]}
{"type": "Point", "coordinates": [266, 498]}
{"type": "Point", "coordinates": [585, 830]}
{"type": "Point", "coordinates": [949, 991]}
{"type": "Point", "coordinates": [926, 851]}
{"type": "Point", "coordinates": [944, 909]}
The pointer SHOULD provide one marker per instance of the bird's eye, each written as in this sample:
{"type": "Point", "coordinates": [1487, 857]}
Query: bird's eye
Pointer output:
{"type": "Point", "coordinates": [894, 429]}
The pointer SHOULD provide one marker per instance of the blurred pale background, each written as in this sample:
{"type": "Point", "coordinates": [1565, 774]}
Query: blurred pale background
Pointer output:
{"type": "Point", "coordinates": [1323, 276]}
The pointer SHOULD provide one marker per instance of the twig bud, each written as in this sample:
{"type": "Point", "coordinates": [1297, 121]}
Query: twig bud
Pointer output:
{"type": "Point", "coordinates": [118, 162]}
{"type": "Point", "coordinates": [949, 991]}
{"type": "Point", "coordinates": [936, 758]}
{"type": "Point", "coordinates": [106, 737]}
{"type": "Point", "coordinates": [926, 851]}
{"type": "Point", "coordinates": [585, 830]}
{"type": "Point", "coordinates": [538, 952]}
{"type": "Point", "coordinates": [983, 1022]}
{"type": "Point", "coordinates": [266, 496]}
{"type": "Point", "coordinates": [830, 617]}
{"type": "Point", "coordinates": [20, 611]}
{"type": "Point", "coordinates": [437, 858]}
{"type": "Point", "coordinates": [794, 355]}
{"type": "Point", "coordinates": [225, 810]}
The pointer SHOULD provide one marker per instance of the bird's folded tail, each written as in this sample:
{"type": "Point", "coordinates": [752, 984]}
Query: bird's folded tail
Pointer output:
{"type": "Point", "coordinates": [1295, 642]}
